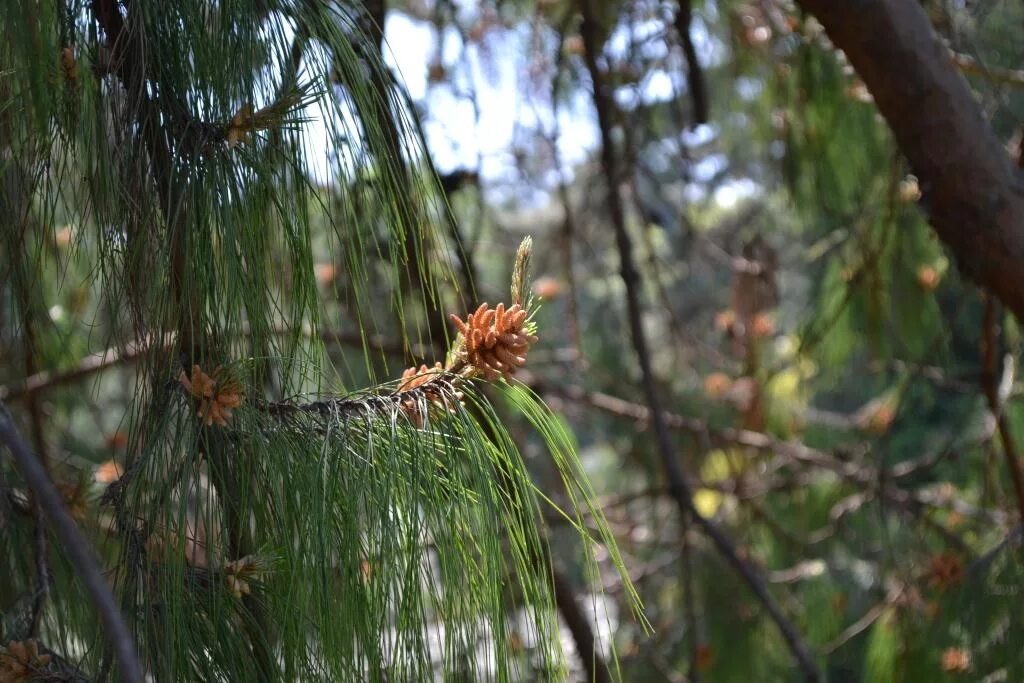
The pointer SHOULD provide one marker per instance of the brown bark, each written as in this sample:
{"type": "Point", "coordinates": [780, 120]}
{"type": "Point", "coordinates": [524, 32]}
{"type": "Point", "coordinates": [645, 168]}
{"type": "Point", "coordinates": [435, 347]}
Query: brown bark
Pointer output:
{"type": "Point", "coordinates": [972, 193]}
{"type": "Point", "coordinates": [579, 628]}
{"type": "Point", "coordinates": [695, 81]}
{"type": "Point", "coordinates": [80, 554]}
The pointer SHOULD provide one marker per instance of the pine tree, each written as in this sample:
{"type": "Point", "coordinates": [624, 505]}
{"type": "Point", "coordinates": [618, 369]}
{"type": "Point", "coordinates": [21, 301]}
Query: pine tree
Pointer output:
{"type": "Point", "coordinates": [267, 521]}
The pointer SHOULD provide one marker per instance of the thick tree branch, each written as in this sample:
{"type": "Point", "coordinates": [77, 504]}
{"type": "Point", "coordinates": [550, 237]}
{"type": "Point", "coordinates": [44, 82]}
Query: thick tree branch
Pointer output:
{"type": "Point", "coordinates": [973, 195]}
{"type": "Point", "coordinates": [82, 557]}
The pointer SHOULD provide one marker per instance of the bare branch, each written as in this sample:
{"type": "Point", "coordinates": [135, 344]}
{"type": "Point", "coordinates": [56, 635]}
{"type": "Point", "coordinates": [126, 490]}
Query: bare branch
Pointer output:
{"type": "Point", "coordinates": [970, 65]}
{"type": "Point", "coordinates": [43, 381]}
{"type": "Point", "coordinates": [694, 75]}
{"type": "Point", "coordinates": [990, 385]}
{"type": "Point", "coordinates": [80, 554]}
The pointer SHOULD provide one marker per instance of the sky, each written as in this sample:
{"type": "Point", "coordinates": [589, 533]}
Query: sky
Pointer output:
{"type": "Point", "coordinates": [497, 70]}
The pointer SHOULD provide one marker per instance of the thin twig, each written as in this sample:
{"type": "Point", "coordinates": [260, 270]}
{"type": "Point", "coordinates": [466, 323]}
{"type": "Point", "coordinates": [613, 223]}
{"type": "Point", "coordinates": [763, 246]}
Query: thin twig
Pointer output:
{"type": "Point", "coordinates": [854, 471]}
{"type": "Point", "coordinates": [865, 622]}
{"type": "Point", "coordinates": [982, 564]}
{"type": "Point", "coordinates": [43, 381]}
{"type": "Point", "coordinates": [694, 75]}
{"type": "Point", "coordinates": [970, 65]}
{"type": "Point", "coordinates": [990, 385]}
{"type": "Point", "coordinates": [82, 557]}
{"type": "Point", "coordinates": [679, 487]}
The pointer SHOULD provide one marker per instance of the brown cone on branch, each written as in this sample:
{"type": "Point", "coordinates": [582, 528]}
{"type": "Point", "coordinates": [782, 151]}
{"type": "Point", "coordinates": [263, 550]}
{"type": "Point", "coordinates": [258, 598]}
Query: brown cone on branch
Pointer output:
{"type": "Point", "coordinates": [218, 394]}
{"type": "Point", "coordinates": [495, 341]}
{"type": "Point", "coordinates": [22, 660]}
{"type": "Point", "coordinates": [491, 342]}
{"type": "Point", "coordinates": [426, 379]}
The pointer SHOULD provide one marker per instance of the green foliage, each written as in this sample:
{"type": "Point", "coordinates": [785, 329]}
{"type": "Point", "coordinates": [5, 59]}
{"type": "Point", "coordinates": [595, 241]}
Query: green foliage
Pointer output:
{"type": "Point", "coordinates": [384, 549]}
{"type": "Point", "coordinates": [243, 185]}
{"type": "Point", "coordinates": [310, 535]}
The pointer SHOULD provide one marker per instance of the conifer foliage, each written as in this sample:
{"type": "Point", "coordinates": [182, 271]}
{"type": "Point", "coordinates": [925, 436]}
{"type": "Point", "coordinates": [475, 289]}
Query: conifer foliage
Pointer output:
{"type": "Point", "coordinates": [265, 523]}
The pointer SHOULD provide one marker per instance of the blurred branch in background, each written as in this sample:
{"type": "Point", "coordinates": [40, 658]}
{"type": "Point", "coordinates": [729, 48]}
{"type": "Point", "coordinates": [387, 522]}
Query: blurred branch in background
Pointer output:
{"type": "Point", "coordinates": [679, 487]}
{"type": "Point", "coordinates": [79, 552]}
{"type": "Point", "coordinates": [694, 74]}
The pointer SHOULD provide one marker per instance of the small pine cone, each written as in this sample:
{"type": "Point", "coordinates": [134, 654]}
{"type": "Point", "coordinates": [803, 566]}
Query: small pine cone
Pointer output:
{"type": "Point", "coordinates": [237, 587]}
{"type": "Point", "coordinates": [217, 396]}
{"type": "Point", "coordinates": [422, 379]}
{"type": "Point", "coordinates": [495, 340]}
{"type": "Point", "coordinates": [238, 573]}
{"type": "Point", "coordinates": [21, 660]}
{"type": "Point", "coordinates": [226, 399]}
{"type": "Point", "coordinates": [199, 384]}
{"type": "Point", "coordinates": [413, 378]}
{"type": "Point", "coordinates": [68, 65]}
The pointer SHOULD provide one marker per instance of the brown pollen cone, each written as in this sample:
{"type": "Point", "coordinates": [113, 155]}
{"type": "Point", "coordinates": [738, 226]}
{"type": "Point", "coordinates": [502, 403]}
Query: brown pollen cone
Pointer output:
{"type": "Point", "coordinates": [413, 378]}
{"type": "Point", "coordinates": [21, 660]}
{"type": "Point", "coordinates": [217, 396]}
{"type": "Point", "coordinates": [495, 341]}
{"type": "Point", "coordinates": [422, 378]}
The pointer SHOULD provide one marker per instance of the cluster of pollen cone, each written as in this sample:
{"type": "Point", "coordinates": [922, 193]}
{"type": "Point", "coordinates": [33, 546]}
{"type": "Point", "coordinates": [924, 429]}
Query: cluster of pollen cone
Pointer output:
{"type": "Point", "coordinates": [493, 343]}
{"type": "Point", "coordinates": [495, 340]}
{"type": "Point", "coordinates": [217, 396]}
{"type": "Point", "coordinates": [424, 380]}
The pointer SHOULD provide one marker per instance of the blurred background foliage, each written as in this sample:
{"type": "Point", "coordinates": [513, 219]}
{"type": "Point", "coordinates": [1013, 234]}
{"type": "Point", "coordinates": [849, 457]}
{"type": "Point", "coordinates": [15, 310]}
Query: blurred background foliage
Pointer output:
{"type": "Point", "coordinates": [845, 403]}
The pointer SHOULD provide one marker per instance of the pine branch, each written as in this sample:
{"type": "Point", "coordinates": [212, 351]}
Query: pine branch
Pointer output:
{"type": "Point", "coordinates": [82, 557]}
{"type": "Point", "coordinates": [367, 403]}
